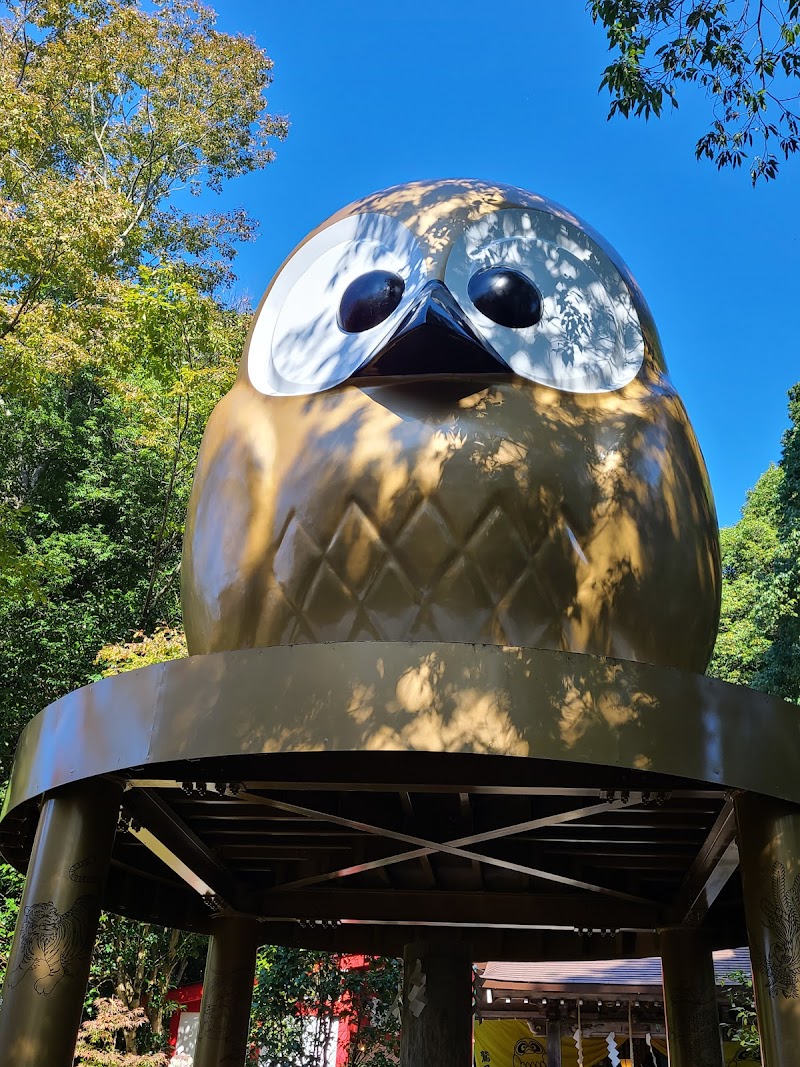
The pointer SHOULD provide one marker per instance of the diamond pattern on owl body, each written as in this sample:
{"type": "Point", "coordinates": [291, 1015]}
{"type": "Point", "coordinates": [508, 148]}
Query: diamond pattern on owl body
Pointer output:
{"type": "Point", "coordinates": [489, 506]}
{"type": "Point", "coordinates": [338, 590]}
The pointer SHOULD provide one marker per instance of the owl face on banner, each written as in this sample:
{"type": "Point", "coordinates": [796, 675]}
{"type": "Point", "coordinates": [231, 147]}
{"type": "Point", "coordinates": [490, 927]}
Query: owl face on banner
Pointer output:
{"type": "Point", "coordinates": [453, 422]}
{"type": "Point", "coordinates": [529, 1052]}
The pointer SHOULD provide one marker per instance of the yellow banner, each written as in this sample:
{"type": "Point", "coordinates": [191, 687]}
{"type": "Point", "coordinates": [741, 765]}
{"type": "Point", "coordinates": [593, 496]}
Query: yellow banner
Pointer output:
{"type": "Point", "coordinates": [510, 1043]}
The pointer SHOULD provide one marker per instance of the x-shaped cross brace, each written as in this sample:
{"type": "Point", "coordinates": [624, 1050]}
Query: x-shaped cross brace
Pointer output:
{"type": "Point", "coordinates": [456, 847]}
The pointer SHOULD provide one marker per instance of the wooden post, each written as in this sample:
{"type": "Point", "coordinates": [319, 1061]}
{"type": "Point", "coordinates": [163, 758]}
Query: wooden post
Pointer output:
{"type": "Point", "coordinates": [437, 1005]}
{"type": "Point", "coordinates": [553, 1043]}
{"type": "Point", "coordinates": [690, 999]}
{"type": "Point", "coordinates": [227, 992]}
{"type": "Point", "coordinates": [49, 963]}
{"type": "Point", "coordinates": [769, 854]}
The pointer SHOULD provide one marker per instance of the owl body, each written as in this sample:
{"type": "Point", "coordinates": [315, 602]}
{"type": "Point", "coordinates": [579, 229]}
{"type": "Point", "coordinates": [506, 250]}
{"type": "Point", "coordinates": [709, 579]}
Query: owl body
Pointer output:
{"type": "Point", "coordinates": [477, 506]}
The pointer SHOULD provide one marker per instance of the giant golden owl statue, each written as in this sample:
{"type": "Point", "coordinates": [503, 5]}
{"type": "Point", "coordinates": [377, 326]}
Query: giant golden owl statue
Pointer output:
{"type": "Point", "coordinates": [453, 422]}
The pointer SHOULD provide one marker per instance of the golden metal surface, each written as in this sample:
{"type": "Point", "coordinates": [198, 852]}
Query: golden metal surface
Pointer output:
{"type": "Point", "coordinates": [690, 999]}
{"type": "Point", "coordinates": [421, 697]}
{"type": "Point", "coordinates": [769, 849]}
{"type": "Point", "coordinates": [452, 508]}
{"type": "Point", "coordinates": [227, 992]}
{"type": "Point", "coordinates": [48, 967]}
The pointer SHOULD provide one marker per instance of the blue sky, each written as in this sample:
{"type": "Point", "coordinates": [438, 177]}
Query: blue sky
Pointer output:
{"type": "Point", "coordinates": [381, 93]}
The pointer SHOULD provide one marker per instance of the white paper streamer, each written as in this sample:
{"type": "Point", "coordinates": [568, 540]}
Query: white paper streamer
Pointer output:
{"type": "Point", "coordinates": [416, 993]}
{"type": "Point", "coordinates": [613, 1051]}
{"type": "Point", "coordinates": [649, 1041]}
{"type": "Point", "coordinates": [630, 1035]}
{"type": "Point", "coordinates": [578, 1038]}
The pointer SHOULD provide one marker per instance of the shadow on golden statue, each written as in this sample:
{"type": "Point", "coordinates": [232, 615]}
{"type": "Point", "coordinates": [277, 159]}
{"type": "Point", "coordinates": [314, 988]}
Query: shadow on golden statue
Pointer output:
{"type": "Point", "coordinates": [453, 422]}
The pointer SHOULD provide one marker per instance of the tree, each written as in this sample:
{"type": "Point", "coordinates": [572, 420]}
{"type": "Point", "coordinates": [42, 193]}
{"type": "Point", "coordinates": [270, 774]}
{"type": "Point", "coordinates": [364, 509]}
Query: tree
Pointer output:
{"type": "Point", "coordinates": [100, 1037]}
{"type": "Point", "coordinates": [11, 884]}
{"type": "Point", "coordinates": [107, 109]}
{"type": "Point", "coordinates": [99, 474]}
{"type": "Point", "coordinates": [744, 54]}
{"type": "Point", "coordinates": [780, 673]}
{"type": "Point", "coordinates": [300, 994]}
{"type": "Point", "coordinates": [759, 637]}
{"type": "Point", "coordinates": [115, 344]}
{"type": "Point", "coordinates": [751, 551]}
{"type": "Point", "coordinates": [136, 965]}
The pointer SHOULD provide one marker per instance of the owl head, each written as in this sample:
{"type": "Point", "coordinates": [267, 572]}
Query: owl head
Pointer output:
{"type": "Point", "coordinates": [453, 421]}
{"type": "Point", "coordinates": [529, 1052]}
{"type": "Point", "coordinates": [451, 279]}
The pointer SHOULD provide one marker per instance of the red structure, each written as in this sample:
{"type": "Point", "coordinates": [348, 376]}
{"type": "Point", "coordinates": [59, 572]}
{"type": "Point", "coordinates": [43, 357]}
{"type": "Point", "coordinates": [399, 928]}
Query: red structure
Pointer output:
{"type": "Point", "coordinates": [182, 1028]}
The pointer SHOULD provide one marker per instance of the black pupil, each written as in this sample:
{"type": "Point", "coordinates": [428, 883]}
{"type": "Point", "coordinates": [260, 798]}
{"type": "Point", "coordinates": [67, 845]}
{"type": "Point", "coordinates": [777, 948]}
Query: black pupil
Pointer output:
{"type": "Point", "coordinates": [369, 300]}
{"type": "Point", "coordinates": [506, 297]}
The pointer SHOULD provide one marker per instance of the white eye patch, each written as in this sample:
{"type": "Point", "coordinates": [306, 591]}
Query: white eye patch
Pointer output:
{"type": "Point", "coordinates": [298, 344]}
{"type": "Point", "coordinates": [588, 338]}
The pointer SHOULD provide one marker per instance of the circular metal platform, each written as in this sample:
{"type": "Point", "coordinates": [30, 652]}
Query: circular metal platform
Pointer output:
{"type": "Point", "coordinates": [545, 804]}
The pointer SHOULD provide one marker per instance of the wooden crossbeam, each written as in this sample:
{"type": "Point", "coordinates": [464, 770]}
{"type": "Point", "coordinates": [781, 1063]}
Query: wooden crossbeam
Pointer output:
{"type": "Point", "coordinates": [167, 836]}
{"type": "Point", "coordinates": [425, 846]}
{"type": "Point", "coordinates": [524, 911]}
{"type": "Point", "coordinates": [716, 861]}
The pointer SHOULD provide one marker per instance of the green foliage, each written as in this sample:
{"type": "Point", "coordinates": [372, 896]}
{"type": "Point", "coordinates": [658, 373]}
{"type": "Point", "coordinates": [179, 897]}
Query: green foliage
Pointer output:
{"type": "Point", "coordinates": [142, 651]}
{"type": "Point", "coordinates": [739, 988]}
{"type": "Point", "coordinates": [750, 553]}
{"type": "Point", "coordinates": [780, 674]}
{"type": "Point", "coordinates": [113, 350]}
{"type": "Point", "coordinates": [101, 1040]}
{"type": "Point", "coordinates": [10, 891]}
{"type": "Point", "coordinates": [99, 473]}
{"type": "Point", "coordinates": [759, 637]}
{"type": "Point", "coordinates": [137, 964]}
{"type": "Point", "coordinates": [745, 55]}
{"type": "Point", "coordinates": [298, 996]}
{"type": "Point", "coordinates": [115, 345]}
{"type": "Point", "coordinates": [107, 108]}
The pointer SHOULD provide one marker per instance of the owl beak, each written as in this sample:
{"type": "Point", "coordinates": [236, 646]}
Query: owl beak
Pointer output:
{"type": "Point", "coordinates": [434, 338]}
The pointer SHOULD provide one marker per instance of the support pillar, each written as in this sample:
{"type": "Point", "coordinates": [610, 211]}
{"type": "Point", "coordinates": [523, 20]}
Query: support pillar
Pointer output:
{"type": "Point", "coordinates": [437, 1005]}
{"type": "Point", "coordinates": [553, 1043]}
{"type": "Point", "coordinates": [769, 857]}
{"type": "Point", "coordinates": [690, 998]}
{"type": "Point", "coordinates": [227, 992]}
{"type": "Point", "coordinates": [48, 967]}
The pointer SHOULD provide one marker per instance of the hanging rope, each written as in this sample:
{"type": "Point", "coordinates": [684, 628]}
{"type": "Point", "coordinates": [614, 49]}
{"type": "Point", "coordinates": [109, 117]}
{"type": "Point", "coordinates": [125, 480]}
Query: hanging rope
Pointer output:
{"type": "Point", "coordinates": [630, 1035]}
{"type": "Point", "coordinates": [578, 1038]}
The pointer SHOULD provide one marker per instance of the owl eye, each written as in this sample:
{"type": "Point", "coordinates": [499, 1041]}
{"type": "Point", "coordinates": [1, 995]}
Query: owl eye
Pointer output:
{"type": "Point", "coordinates": [506, 297]}
{"type": "Point", "coordinates": [369, 300]}
{"type": "Point", "coordinates": [548, 299]}
{"type": "Point", "coordinates": [335, 302]}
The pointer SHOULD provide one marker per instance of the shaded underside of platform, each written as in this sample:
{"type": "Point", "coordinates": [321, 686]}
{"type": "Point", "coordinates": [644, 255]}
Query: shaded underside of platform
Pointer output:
{"type": "Point", "coordinates": [538, 804]}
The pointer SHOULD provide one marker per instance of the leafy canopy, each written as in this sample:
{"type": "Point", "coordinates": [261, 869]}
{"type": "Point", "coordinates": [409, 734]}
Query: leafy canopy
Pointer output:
{"type": "Point", "coordinates": [745, 55]}
{"type": "Point", "coordinates": [115, 345]}
{"type": "Point", "coordinates": [108, 110]}
{"type": "Point", "coordinates": [759, 636]}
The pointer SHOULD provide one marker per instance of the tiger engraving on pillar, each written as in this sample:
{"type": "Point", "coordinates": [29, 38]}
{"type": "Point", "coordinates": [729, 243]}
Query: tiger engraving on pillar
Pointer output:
{"type": "Point", "coordinates": [219, 1004]}
{"type": "Point", "coordinates": [85, 872]}
{"type": "Point", "coordinates": [51, 941]}
{"type": "Point", "coordinates": [781, 914]}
